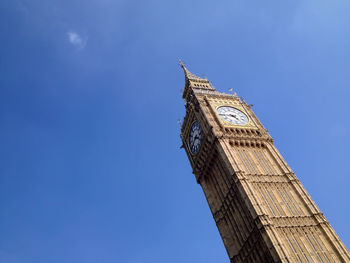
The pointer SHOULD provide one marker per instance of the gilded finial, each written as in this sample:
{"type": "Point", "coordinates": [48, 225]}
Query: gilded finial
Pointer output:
{"type": "Point", "coordinates": [181, 63]}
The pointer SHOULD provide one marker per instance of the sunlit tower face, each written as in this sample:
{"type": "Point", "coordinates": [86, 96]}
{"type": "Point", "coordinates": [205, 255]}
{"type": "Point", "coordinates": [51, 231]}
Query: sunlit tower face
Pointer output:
{"type": "Point", "coordinates": [262, 211]}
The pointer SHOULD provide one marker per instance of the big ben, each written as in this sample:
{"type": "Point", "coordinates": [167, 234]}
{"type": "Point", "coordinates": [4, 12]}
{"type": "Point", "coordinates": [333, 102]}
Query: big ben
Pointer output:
{"type": "Point", "coordinates": [261, 209]}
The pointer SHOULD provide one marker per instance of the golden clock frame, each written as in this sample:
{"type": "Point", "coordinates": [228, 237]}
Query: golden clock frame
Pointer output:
{"type": "Point", "coordinates": [216, 103]}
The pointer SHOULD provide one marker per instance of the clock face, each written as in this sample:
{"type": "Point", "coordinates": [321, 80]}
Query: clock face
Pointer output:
{"type": "Point", "coordinates": [232, 115]}
{"type": "Point", "coordinates": [195, 137]}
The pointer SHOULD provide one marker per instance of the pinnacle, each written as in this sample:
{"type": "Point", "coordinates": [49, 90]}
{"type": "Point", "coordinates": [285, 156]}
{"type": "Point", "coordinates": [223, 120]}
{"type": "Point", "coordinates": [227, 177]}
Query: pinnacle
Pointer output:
{"type": "Point", "coordinates": [189, 75]}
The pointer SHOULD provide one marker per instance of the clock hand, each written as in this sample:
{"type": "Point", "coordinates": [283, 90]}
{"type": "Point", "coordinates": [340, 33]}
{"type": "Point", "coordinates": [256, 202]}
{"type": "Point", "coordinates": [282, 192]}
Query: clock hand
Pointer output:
{"type": "Point", "coordinates": [228, 114]}
{"type": "Point", "coordinates": [234, 116]}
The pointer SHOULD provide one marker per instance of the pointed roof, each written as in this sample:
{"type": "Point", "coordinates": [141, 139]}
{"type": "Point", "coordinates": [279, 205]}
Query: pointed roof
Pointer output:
{"type": "Point", "coordinates": [191, 76]}
{"type": "Point", "coordinates": [195, 83]}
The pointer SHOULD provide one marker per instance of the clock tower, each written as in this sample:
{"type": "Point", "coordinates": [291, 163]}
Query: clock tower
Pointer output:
{"type": "Point", "coordinates": [261, 209]}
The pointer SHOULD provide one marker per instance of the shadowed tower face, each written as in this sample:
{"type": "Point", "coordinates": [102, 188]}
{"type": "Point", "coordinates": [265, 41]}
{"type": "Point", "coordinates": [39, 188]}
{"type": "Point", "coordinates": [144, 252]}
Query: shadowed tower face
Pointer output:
{"type": "Point", "coordinates": [262, 211]}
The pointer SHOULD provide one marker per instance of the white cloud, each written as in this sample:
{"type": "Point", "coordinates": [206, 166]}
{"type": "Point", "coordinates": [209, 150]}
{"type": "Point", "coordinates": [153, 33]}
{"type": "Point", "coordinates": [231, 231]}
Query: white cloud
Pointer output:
{"type": "Point", "coordinates": [76, 40]}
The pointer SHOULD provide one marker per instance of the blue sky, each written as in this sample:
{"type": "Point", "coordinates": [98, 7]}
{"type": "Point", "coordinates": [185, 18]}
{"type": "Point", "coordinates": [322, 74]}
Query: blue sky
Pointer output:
{"type": "Point", "coordinates": [91, 169]}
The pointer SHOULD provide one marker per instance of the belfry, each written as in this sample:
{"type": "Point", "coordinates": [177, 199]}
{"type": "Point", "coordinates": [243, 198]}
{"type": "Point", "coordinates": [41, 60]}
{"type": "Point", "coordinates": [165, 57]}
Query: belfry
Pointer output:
{"type": "Point", "coordinates": [261, 209]}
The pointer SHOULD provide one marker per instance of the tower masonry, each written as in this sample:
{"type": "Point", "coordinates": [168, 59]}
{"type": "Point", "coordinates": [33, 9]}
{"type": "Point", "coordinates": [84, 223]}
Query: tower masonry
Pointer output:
{"type": "Point", "coordinates": [261, 209]}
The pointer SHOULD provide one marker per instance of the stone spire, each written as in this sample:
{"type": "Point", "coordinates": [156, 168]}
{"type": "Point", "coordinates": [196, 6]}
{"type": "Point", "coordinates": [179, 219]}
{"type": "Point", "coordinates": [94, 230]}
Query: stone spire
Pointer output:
{"type": "Point", "coordinates": [195, 83]}
{"type": "Point", "coordinates": [191, 76]}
